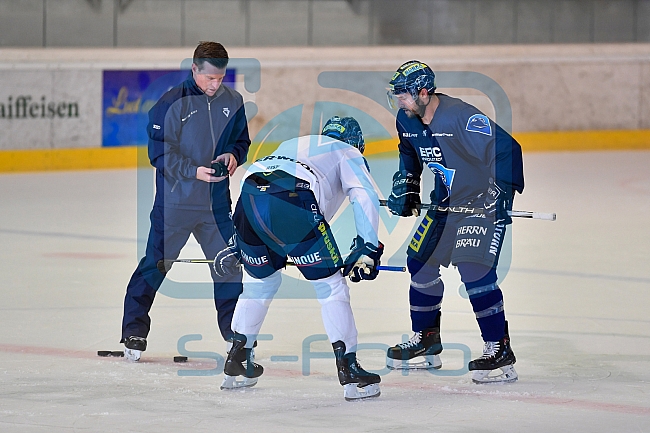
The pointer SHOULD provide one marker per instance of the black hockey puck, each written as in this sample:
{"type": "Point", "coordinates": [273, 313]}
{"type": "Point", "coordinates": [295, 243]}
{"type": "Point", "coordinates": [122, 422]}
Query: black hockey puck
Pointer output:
{"type": "Point", "coordinates": [180, 358]}
{"type": "Point", "coordinates": [105, 353]}
{"type": "Point", "coordinates": [220, 169]}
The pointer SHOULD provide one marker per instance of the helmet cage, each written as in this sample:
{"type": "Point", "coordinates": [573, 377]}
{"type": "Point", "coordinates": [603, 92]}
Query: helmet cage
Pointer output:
{"type": "Point", "coordinates": [411, 77]}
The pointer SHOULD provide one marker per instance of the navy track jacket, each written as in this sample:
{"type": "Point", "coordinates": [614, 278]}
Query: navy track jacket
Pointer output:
{"type": "Point", "coordinates": [188, 129]}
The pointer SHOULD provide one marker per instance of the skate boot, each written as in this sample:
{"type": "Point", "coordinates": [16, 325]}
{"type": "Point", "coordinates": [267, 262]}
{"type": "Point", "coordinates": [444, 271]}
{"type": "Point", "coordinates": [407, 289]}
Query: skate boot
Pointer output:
{"type": "Point", "coordinates": [133, 348]}
{"type": "Point", "coordinates": [421, 352]}
{"type": "Point", "coordinates": [240, 371]}
{"type": "Point", "coordinates": [358, 384]}
{"type": "Point", "coordinates": [496, 355]}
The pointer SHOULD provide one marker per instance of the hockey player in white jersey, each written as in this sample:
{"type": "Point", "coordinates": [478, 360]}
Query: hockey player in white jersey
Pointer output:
{"type": "Point", "coordinates": [286, 202]}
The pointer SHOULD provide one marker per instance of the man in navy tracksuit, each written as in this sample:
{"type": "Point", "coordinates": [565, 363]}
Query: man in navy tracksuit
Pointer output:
{"type": "Point", "coordinates": [193, 125]}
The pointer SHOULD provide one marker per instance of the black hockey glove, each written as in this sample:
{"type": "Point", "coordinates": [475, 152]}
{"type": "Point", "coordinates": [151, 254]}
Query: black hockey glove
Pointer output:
{"type": "Point", "coordinates": [363, 260]}
{"type": "Point", "coordinates": [164, 266]}
{"type": "Point", "coordinates": [404, 199]}
{"type": "Point", "coordinates": [440, 194]}
{"type": "Point", "coordinates": [498, 203]}
{"type": "Point", "coordinates": [228, 260]}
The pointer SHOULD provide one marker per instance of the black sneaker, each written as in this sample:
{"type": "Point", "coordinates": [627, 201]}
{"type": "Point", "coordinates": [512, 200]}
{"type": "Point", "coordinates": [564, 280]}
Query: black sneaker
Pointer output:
{"type": "Point", "coordinates": [133, 347]}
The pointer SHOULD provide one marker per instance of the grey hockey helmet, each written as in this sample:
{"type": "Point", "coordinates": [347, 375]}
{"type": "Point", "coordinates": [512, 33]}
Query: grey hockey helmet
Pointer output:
{"type": "Point", "coordinates": [411, 77]}
{"type": "Point", "coordinates": [345, 129]}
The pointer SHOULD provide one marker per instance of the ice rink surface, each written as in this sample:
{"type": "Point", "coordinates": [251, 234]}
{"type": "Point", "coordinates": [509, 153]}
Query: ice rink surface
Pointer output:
{"type": "Point", "coordinates": [576, 296]}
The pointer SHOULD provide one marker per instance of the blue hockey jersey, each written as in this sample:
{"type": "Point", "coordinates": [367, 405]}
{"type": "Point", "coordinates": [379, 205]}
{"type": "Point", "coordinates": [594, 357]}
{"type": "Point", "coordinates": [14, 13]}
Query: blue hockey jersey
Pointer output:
{"type": "Point", "coordinates": [464, 144]}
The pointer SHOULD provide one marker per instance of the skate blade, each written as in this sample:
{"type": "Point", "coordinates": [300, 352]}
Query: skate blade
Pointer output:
{"type": "Point", "coordinates": [231, 382]}
{"type": "Point", "coordinates": [508, 375]}
{"type": "Point", "coordinates": [132, 355]}
{"type": "Point", "coordinates": [352, 392]}
{"type": "Point", "coordinates": [418, 363]}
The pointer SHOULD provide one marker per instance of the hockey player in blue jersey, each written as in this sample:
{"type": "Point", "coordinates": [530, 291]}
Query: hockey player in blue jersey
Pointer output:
{"type": "Point", "coordinates": [474, 163]}
{"type": "Point", "coordinates": [286, 203]}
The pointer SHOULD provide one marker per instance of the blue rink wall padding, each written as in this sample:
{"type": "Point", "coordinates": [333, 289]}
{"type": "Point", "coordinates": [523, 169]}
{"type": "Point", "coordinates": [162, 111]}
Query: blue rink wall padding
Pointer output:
{"type": "Point", "coordinates": [127, 97]}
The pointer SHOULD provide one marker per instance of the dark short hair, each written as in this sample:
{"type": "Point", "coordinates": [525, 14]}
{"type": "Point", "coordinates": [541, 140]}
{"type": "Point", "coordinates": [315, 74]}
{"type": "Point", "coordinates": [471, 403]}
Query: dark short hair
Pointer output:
{"type": "Point", "coordinates": [211, 52]}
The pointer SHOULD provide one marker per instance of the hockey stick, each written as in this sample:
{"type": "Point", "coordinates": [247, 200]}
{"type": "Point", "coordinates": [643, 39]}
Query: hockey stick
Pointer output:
{"type": "Point", "coordinates": [379, 268]}
{"type": "Point", "coordinates": [479, 211]}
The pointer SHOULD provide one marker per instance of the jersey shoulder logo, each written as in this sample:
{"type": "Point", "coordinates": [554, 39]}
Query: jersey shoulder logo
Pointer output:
{"type": "Point", "coordinates": [479, 123]}
{"type": "Point", "coordinates": [409, 135]}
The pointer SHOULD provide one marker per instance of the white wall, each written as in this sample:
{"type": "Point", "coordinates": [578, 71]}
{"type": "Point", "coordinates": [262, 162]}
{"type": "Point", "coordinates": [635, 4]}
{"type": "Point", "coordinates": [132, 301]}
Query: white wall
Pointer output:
{"type": "Point", "coordinates": [550, 87]}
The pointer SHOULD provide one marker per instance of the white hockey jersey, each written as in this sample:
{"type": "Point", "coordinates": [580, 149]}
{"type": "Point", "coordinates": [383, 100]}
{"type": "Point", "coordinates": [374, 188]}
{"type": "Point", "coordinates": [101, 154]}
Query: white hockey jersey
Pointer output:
{"type": "Point", "coordinates": [335, 170]}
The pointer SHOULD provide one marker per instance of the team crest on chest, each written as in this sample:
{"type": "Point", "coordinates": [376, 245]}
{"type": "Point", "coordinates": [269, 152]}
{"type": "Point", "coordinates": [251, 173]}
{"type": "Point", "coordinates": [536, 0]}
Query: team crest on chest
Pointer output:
{"type": "Point", "coordinates": [226, 111]}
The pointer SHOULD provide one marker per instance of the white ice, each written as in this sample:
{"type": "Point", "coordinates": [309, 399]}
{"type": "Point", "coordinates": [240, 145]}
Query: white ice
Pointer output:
{"type": "Point", "coordinates": [576, 295]}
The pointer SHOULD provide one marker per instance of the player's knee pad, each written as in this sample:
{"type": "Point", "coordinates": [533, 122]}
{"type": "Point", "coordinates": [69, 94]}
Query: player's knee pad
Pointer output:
{"type": "Point", "coordinates": [425, 292]}
{"type": "Point", "coordinates": [261, 289]}
{"type": "Point", "coordinates": [332, 288]}
{"type": "Point", "coordinates": [425, 278]}
{"type": "Point", "coordinates": [476, 274]}
{"type": "Point", "coordinates": [426, 300]}
{"type": "Point", "coordinates": [429, 297]}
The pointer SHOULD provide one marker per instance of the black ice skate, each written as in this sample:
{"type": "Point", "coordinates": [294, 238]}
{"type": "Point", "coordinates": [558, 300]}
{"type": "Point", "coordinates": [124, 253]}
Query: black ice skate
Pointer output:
{"type": "Point", "coordinates": [133, 348]}
{"type": "Point", "coordinates": [240, 371]}
{"type": "Point", "coordinates": [496, 355]}
{"type": "Point", "coordinates": [421, 352]}
{"type": "Point", "coordinates": [357, 383]}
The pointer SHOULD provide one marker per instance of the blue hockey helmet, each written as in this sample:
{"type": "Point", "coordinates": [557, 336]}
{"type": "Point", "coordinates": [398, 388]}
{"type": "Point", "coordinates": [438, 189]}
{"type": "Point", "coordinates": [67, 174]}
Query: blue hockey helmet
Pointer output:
{"type": "Point", "coordinates": [411, 77]}
{"type": "Point", "coordinates": [345, 129]}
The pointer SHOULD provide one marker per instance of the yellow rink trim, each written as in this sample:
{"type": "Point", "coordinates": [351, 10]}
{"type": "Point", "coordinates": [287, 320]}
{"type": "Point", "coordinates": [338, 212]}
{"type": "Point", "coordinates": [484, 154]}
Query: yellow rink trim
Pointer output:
{"type": "Point", "coordinates": [133, 156]}
{"type": "Point", "coordinates": [583, 140]}
{"type": "Point", "coordinates": [72, 159]}
{"type": "Point", "coordinates": [557, 141]}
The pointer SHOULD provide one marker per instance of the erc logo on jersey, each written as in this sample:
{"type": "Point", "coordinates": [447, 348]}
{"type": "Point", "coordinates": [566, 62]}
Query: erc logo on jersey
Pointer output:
{"type": "Point", "coordinates": [431, 154]}
{"type": "Point", "coordinates": [479, 123]}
